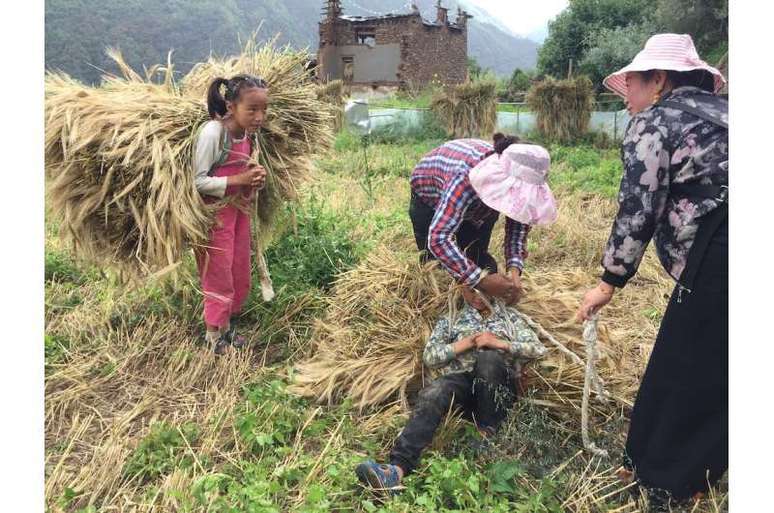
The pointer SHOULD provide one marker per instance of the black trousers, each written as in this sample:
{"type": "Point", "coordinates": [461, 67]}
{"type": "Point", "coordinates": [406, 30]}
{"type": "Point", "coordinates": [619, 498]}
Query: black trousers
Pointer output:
{"type": "Point", "coordinates": [471, 239]}
{"type": "Point", "coordinates": [484, 395]}
{"type": "Point", "coordinates": [678, 437]}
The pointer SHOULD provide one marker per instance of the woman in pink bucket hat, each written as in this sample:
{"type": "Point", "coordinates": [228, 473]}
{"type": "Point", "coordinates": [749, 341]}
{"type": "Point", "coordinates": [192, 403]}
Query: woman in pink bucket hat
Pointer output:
{"type": "Point", "coordinates": [458, 191]}
{"type": "Point", "coordinates": [674, 191]}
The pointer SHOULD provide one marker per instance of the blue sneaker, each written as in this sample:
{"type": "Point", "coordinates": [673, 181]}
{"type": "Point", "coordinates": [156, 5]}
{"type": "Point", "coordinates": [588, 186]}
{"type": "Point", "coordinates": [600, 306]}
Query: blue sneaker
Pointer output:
{"type": "Point", "coordinates": [382, 478]}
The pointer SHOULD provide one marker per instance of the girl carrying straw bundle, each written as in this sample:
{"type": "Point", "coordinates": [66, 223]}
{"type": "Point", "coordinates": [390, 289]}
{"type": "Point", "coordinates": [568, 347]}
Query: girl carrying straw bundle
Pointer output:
{"type": "Point", "coordinates": [224, 171]}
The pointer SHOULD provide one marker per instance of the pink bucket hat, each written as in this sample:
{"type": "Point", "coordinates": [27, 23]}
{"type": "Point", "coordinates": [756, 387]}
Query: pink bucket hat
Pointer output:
{"type": "Point", "coordinates": [668, 52]}
{"type": "Point", "coordinates": [514, 184]}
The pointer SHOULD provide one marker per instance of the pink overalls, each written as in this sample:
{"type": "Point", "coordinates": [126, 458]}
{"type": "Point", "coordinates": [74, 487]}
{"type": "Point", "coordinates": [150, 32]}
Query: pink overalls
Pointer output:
{"type": "Point", "coordinates": [224, 266]}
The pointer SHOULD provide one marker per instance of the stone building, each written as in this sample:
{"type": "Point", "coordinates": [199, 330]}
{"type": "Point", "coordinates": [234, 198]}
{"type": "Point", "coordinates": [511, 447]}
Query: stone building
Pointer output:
{"type": "Point", "coordinates": [394, 50]}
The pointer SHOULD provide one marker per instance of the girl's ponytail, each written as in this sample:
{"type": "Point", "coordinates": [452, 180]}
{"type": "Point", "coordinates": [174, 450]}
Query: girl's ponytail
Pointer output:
{"type": "Point", "coordinates": [216, 103]}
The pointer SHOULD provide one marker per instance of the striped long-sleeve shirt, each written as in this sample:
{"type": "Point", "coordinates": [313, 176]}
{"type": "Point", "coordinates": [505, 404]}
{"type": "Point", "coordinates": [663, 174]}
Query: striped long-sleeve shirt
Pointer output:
{"type": "Point", "coordinates": [441, 180]}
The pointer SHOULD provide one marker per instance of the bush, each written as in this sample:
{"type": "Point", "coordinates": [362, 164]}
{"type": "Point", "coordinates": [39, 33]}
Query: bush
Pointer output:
{"type": "Point", "coordinates": [314, 249]}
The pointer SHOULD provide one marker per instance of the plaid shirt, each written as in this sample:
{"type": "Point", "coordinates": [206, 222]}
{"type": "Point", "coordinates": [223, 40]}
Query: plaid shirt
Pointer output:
{"type": "Point", "coordinates": [441, 181]}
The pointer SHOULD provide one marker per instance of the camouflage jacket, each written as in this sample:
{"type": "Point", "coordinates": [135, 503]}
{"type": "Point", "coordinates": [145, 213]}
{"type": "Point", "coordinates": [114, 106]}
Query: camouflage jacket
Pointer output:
{"type": "Point", "coordinates": [504, 322]}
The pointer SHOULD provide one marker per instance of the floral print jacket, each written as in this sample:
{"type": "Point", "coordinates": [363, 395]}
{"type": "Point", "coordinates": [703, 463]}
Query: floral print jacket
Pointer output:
{"type": "Point", "coordinates": [664, 146]}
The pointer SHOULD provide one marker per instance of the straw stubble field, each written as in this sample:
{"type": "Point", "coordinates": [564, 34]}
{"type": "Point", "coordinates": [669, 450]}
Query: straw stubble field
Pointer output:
{"type": "Point", "coordinates": [140, 417]}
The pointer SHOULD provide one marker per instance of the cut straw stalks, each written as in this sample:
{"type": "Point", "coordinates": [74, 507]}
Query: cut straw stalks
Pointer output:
{"type": "Point", "coordinates": [119, 156]}
{"type": "Point", "coordinates": [563, 107]}
{"type": "Point", "coordinates": [368, 346]}
{"type": "Point", "coordinates": [467, 110]}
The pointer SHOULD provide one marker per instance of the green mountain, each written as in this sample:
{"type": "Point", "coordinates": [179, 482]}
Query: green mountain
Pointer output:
{"type": "Point", "coordinates": [78, 31]}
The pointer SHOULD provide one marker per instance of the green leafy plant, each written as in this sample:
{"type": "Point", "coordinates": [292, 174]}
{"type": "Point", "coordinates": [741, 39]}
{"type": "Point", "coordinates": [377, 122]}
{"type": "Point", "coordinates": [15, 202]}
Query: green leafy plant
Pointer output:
{"type": "Point", "coordinates": [165, 448]}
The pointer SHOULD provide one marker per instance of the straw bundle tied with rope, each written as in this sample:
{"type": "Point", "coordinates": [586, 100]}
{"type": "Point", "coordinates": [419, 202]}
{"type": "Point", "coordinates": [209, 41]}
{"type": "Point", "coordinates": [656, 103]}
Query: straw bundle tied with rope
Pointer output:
{"type": "Point", "coordinates": [563, 107]}
{"type": "Point", "coordinates": [467, 110]}
{"type": "Point", "coordinates": [119, 156]}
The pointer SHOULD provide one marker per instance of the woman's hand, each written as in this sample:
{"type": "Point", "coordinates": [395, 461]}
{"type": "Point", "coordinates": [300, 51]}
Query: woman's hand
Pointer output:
{"type": "Point", "coordinates": [594, 300]}
{"type": "Point", "coordinates": [497, 285]}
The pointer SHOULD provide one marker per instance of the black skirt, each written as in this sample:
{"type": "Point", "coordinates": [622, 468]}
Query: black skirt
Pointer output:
{"type": "Point", "coordinates": [678, 437]}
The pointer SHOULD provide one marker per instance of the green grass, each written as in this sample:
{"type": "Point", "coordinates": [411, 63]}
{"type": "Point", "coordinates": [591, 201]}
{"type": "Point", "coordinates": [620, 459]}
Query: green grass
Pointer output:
{"type": "Point", "coordinates": [586, 169]}
{"type": "Point", "coordinates": [293, 454]}
{"type": "Point", "coordinates": [163, 450]}
{"type": "Point", "coordinates": [522, 109]}
{"type": "Point", "coordinates": [405, 101]}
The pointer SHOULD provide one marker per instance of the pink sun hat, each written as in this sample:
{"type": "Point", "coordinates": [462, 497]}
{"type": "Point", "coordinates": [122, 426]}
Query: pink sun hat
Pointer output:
{"type": "Point", "coordinates": [668, 52]}
{"type": "Point", "coordinates": [514, 184]}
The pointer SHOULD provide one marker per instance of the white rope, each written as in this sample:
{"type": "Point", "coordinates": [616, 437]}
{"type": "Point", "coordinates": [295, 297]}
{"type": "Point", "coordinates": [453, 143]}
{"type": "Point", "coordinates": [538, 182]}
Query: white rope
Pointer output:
{"type": "Point", "coordinates": [590, 339]}
{"type": "Point", "coordinates": [545, 334]}
{"type": "Point", "coordinates": [267, 288]}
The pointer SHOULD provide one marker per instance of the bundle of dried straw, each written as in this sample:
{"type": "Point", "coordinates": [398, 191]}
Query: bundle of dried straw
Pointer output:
{"type": "Point", "coordinates": [563, 107]}
{"type": "Point", "coordinates": [468, 110]}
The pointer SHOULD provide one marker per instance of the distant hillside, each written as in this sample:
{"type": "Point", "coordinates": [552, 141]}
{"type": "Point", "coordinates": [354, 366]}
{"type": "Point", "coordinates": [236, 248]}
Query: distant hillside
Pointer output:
{"type": "Point", "coordinates": [77, 31]}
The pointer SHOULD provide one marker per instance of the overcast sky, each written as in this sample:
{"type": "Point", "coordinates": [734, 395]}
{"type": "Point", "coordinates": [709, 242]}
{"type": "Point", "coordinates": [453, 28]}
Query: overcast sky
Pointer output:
{"type": "Point", "coordinates": [523, 16]}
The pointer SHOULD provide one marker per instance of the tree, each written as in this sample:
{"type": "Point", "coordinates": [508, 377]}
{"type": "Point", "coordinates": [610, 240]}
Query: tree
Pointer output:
{"type": "Point", "coordinates": [612, 49]}
{"type": "Point", "coordinates": [519, 82]}
{"type": "Point", "coordinates": [705, 20]}
{"type": "Point", "coordinates": [600, 36]}
{"type": "Point", "coordinates": [570, 33]}
{"type": "Point", "coordinates": [474, 69]}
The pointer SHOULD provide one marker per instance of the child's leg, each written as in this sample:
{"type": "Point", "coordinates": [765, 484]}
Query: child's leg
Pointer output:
{"type": "Point", "coordinates": [434, 402]}
{"type": "Point", "coordinates": [241, 267]}
{"type": "Point", "coordinates": [494, 390]}
{"type": "Point", "coordinates": [215, 264]}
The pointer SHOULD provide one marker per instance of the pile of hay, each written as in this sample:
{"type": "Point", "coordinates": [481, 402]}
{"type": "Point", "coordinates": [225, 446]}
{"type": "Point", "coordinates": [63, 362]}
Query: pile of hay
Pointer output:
{"type": "Point", "coordinates": [119, 156]}
{"type": "Point", "coordinates": [368, 347]}
{"type": "Point", "coordinates": [332, 93]}
{"type": "Point", "coordinates": [467, 110]}
{"type": "Point", "coordinates": [563, 107]}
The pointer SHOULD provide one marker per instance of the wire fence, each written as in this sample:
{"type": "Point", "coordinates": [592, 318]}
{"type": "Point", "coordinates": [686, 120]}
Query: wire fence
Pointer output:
{"type": "Point", "coordinates": [514, 117]}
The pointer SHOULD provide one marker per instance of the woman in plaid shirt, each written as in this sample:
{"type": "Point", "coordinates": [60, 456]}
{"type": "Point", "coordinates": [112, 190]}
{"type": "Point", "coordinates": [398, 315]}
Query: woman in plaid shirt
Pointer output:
{"type": "Point", "coordinates": [453, 223]}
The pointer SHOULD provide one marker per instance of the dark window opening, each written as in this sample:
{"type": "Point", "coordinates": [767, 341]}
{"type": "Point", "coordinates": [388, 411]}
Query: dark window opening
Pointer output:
{"type": "Point", "coordinates": [366, 38]}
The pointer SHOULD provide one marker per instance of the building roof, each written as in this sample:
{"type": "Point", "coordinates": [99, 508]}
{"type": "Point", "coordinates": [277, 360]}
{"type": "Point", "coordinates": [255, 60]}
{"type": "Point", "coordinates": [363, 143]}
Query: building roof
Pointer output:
{"type": "Point", "coordinates": [356, 19]}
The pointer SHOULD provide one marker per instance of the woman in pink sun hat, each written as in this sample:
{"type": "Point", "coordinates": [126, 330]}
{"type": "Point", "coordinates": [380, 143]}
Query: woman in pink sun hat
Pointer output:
{"type": "Point", "coordinates": [674, 191]}
{"type": "Point", "coordinates": [458, 191]}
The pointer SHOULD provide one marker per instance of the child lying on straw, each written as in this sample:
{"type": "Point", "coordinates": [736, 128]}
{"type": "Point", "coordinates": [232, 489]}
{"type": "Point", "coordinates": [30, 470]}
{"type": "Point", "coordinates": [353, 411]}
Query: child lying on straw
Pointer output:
{"type": "Point", "coordinates": [478, 354]}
